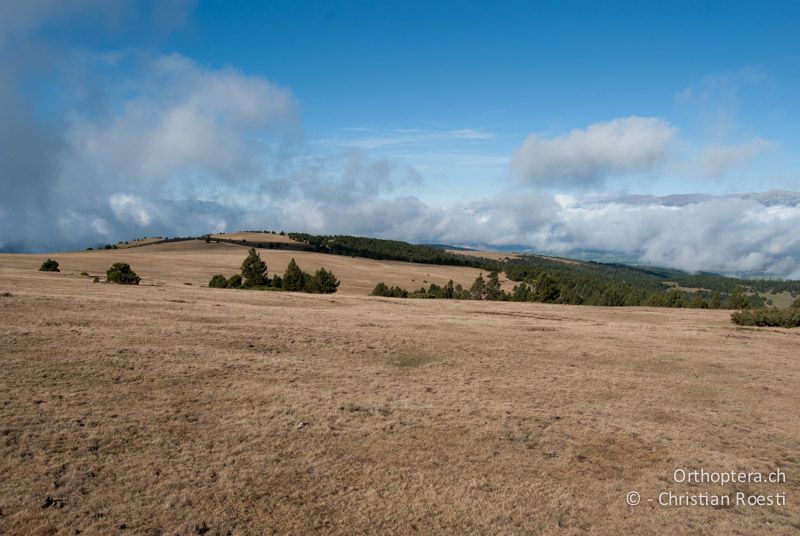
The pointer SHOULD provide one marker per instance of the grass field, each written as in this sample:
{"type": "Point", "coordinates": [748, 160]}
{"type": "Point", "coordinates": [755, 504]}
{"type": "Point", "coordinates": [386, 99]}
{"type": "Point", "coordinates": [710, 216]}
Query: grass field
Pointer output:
{"type": "Point", "coordinates": [170, 408]}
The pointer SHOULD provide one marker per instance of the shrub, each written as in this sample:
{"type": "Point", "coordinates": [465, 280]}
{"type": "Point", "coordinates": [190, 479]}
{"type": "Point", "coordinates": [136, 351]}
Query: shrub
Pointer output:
{"type": "Point", "coordinates": [389, 292]}
{"type": "Point", "coordinates": [49, 266]}
{"type": "Point", "coordinates": [784, 318]}
{"type": "Point", "coordinates": [380, 290]}
{"type": "Point", "coordinates": [796, 303]}
{"type": "Point", "coordinates": [254, 270]}
{"type": "Point", "coordinates": [323, 282]}
{"type": "Point", "coordinates": [235, 281]}
{"type": "Point", "coordinates": [121, 273]}
{"type": "Point", "coordinates": [218, 281]}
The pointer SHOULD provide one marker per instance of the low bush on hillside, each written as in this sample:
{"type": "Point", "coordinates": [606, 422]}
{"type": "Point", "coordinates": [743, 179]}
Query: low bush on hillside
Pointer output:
{"type": "Point", "coordinates": [796, 303]}
{"type": "Point", "coordinates": [255, 276]}
{"type": "Point", "coordinates": [121, 273]}
{"type": "Point", "coordinates": [49, 266]}
{"type": "Point", "coordinates": [783, 318]}
{"type": "Point", "coordinates": [218, 281]}
{"type": "Point", "coordinates": [381, 289]}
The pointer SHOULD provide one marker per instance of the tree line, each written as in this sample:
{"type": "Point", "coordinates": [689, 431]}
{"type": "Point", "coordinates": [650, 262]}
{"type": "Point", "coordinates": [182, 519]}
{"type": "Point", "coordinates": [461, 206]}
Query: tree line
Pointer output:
{"type": "Point", "coordinates": [392, 250]}
{"type": "Point", "coordinates": [580, 281]}
{"type": "Point", "coordinates": [546, 287]}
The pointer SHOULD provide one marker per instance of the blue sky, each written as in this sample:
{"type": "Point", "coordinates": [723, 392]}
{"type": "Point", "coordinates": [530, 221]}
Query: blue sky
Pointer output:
{"type": "Point", "coordinates": [515, 68]}
{"type": "Point", "coordinates": [491, 123]}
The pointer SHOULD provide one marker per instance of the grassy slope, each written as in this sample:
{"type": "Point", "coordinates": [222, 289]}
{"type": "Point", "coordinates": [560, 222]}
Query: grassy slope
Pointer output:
{"type": "Point", "coordinates": [167, 407]}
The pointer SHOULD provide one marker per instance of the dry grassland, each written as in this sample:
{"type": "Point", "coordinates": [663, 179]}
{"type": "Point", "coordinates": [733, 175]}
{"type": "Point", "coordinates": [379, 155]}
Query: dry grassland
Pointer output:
{"type": "Point", "coordinates": [194, 262]}
{"type": "Point", "coordinates": [174, 409]}
{"type": "Point", "coordinates": [137, 243]}
{"type": "Point", "coordinates": [257, 237]}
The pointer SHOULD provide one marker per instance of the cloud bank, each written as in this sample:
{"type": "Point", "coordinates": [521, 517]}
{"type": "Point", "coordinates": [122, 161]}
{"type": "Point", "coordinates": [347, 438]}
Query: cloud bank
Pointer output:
{"type": "Point", "coordinates": [190, 150]}
{"type": "Point", "coordinates": [587, 157]}
{"type": "Point", "coordinates": [141, 144]}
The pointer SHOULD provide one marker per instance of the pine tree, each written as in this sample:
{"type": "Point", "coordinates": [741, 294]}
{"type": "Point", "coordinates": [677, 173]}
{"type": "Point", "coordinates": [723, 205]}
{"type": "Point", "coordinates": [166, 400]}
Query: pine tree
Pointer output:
{"type": "Point", "coordinates": [449, 291]}
{"type": "Point", "coordinates": [738, 300]}
{"type": "Point", "coordinates": [716, 301]}
{"type": "Point", "coordinates": [434, 291]}
{"type": "Point", "coordinates": [293, 278]}
{"type": "Point", "coordinates": [254, 270]}
{"type": "Point", "coordinates": [478, 289]}
{"type": "Point", "coordinates": [323, 282]}
{"type": "Point", "coordinates": [493, 291]}
{"type": "Point", "coordinates": [546, 288]}
{"type": "Point", "coordinates": [521, 292]}
{"type": "Point", "coordinates": [459, 292]}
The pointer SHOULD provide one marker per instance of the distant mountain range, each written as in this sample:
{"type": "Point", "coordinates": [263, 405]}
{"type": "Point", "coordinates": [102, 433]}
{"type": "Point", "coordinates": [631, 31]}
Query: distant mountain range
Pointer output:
{"type": "Point", "coordinates": [770, 198]}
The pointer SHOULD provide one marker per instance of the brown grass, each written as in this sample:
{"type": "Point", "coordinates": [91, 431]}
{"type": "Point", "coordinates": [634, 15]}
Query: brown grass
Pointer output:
{"type": "Point", "coordinates": [198, 261]}
{"type": "Point", "coordinates": [257, 237]}
{"type": "Point", "coordinates": [137, 243]}
{"type": "Point", "coordinates": [165, 408]}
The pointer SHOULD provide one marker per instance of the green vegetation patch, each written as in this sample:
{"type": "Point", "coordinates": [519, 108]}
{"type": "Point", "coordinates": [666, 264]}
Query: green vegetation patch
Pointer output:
{"type": "Point", "coordinates": [781, 318]}
{"type": "Point", "coordinates": [49, 266]}
{"type": "Point", "coordinates": [255, 276]}
{"type": "Point", "coordinates": [411, 359]}
{"type": "Point", "coordinates": [121, 273]}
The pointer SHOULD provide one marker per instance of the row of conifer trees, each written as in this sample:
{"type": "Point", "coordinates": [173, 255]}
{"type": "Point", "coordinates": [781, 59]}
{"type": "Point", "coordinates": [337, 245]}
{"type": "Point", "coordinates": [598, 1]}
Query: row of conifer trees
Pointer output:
{"type": "Point", "coordinates": [254, 275]}
{"type": "Point", "coordinates": [547, 289]}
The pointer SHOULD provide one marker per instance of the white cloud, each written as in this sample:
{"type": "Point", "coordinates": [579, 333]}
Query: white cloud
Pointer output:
{"type": "Point", "coordinates": [166, 146]}
{"type": "Point", "coordinates": [180, 117]}
{"type": "Point", "coordinates": [130, 207]}
{"type": "Point", "coordinates": [729, 234]}
{"type": "Point", "coordinates": [719, 160]}
{"type": "Point", "coordinates": [586, 157]}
